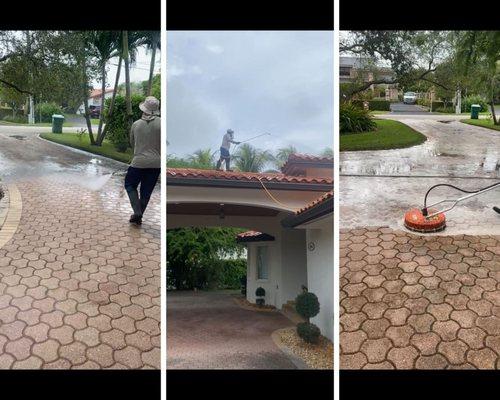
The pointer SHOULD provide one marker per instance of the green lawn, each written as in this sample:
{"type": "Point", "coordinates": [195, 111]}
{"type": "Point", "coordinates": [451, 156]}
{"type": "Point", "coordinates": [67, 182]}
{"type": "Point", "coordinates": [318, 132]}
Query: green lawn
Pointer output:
{"type": "Point", "coordinates": [379, 112]}
{"type": "Point", "coordinates": [66, 124]}
{"type": "Point", "coordinates": [389, 135]}
{"type": "Point", "coordinates": [485, 123]}
{"type": "Point", "coordinates": [82, 142]}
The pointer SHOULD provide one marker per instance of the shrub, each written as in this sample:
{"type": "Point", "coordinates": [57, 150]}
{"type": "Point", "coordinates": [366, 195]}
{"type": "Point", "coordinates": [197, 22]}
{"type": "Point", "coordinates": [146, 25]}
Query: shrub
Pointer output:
{"type": "Point", "coordinates": [45, 111]}
{"type": "Point", "coordinates": [437, 104]}
{"type": "Point", "coordinates": [355, 119]}
{"type": "Point", "coordinates": [447, 110]}
{"type": "Point", "coordinates": [117, 127]}
{"type": "Point", "coordinates": [307, 305]}
{"type": "Point", "coordinates": [474, 99]}
{"type": "Point", "coordinates": [20, 119]}
{"type": "Point", "coordinates": [308, 332]}
{"type": "Point", "coordinates": [379, 105]}
{"type": "Point", "coordinates": [358, 103]}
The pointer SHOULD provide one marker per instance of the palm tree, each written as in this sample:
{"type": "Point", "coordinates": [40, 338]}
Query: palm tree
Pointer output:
{"type": "Point", "coordinates": [251, 159]}
{"type": "Point", "coordinates": [152, 40]}
{"type": "Point", "coordinates": [203, 159]}
{"type": "Point", "coordinates": [282, 155]}
{"type": "Point", "coordinates": [104, 46]}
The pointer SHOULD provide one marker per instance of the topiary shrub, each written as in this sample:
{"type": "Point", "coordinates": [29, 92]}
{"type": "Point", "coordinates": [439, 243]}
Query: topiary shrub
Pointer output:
{"type": "Point", "coordinates": [260, 293]}
{"type": "Point", "coordinates": [308, 332]}
{"type": "Point", "coordinates": [45, 111]}
{"type": "Point", "coordinates": [355, 119]}
{"type": "Point", "coordinates": [307, 305]}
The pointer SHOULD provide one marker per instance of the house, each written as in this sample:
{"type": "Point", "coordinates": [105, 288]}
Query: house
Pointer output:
{"type": "Point", "coordinates": [353, 69]}
{"type": "Point", "coordinates": [289, 218]}
{"type": "Point", "coordinates": [94, 99]}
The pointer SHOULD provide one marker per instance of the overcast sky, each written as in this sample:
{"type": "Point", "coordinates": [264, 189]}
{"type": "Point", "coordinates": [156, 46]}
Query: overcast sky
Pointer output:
{"type": "Point", "coordinates": [252, 82]}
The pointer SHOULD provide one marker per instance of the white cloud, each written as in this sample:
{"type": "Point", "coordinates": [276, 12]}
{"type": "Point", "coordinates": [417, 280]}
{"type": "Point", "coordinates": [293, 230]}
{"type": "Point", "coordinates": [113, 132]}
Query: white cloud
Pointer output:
{"type": "Point", "coordinates": [215, 48]}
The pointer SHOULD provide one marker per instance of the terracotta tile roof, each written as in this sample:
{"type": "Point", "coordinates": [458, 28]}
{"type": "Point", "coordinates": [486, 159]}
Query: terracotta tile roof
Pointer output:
{"type": "Point", "coordinates": [97, 92]}
{"type": "Point", "coordinates": [316, 202]}
{"type": "Point", "coordinates": [308, 157]}
{"type": "Point", "coordinates": [253, 236]}
{"type": "Point", "coordinates": [249, 234]}
{"type": "Point", "coordinates": [192, 173]}
{"type": "Point", "coordinates": [297, 162]}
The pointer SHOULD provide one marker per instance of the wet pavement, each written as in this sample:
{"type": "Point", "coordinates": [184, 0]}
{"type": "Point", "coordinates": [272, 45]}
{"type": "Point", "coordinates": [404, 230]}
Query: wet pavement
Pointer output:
{"type": "Point", "coordinates": [414, 301]}
{"type": "Point", "coordinates": [79, 286]}
{"type": "Point", "coordinates": [377, 187]}
{"type": "Point", "coordinates": [208, 330]}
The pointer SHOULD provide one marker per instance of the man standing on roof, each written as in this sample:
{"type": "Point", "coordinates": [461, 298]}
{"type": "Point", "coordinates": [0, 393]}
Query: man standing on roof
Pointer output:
{"type": "Point", "coordinates": [224, 149]}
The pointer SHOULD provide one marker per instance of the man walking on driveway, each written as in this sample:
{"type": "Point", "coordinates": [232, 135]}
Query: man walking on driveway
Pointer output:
{"type": "Point", "coordinates": [145, 139]}
{"type": "Point", "coordinates": [224, 149]}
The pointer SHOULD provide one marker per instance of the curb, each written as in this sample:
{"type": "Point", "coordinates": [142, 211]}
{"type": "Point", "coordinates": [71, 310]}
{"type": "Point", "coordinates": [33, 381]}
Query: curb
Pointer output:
{"type": "Point", "coordinates": [83, 151]}
{"type": "Point", "coordinates": [10, 216]}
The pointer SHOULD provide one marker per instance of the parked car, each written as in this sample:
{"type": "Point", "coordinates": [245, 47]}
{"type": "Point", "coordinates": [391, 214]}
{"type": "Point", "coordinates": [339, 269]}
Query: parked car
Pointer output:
{"type": "Point", "coordinates": [410, 98]}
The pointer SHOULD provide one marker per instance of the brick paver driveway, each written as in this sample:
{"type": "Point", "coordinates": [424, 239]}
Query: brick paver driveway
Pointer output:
{"type": "Point", "coordinates": [415, 301]}
{"type": "Point", "coordinates": [209, 330]}
{"type": "Point", "coordinates": [79, 287]}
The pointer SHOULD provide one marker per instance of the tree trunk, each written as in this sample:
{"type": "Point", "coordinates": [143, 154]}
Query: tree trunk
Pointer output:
{"type": "Point", "coordinates": [152, 67]}
{"type": "Point", "coordinates": [86, 104]}
{"type": "Point", "coordinates": [112, 101]}
{"type": "Point", "coordinates": [126, 60]}
{"type": "Point", "coordinates": [493, 114]}
{"type": "Point", "coordinates": [103, 101]}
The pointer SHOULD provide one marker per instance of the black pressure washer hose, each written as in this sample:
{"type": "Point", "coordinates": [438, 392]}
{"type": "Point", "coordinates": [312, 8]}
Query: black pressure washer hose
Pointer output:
{"type": "Point", "coordinates": [425, 211]}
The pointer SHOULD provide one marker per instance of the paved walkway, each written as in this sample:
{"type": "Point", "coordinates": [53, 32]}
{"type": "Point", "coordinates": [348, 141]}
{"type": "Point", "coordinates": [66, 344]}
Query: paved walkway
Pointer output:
{"type": "Point", "coordinates": [420, 301]}
{"type": "Point", "coordinates": [209, 330]}
{"type": "Point", "coordinates": [79, 287]}
{"type": "Point", "coordinates": [412, 302]}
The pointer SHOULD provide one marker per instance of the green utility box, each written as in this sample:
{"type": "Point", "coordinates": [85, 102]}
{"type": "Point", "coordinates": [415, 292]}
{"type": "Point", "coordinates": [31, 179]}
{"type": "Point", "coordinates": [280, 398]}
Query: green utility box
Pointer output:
{"type": "Point", "coordinates": [57, 123]}
{"type": "Point", "coordinates": [474, 111]}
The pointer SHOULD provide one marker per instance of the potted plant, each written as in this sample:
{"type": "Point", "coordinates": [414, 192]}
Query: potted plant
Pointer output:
{"type": "Point", "coordinates": [307, 305]}
{"type": "Point", "coordinates": [260, 293]}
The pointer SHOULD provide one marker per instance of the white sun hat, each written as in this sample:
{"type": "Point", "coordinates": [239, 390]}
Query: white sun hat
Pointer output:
{"type": "Point", "coordinates": [150, 105]}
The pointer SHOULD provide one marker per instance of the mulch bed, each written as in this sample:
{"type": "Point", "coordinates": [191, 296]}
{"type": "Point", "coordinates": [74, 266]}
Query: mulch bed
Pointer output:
{"type": "Point", "coordinates": [316, 356]}
{"type": "Point", "coordinates": [244, 303]}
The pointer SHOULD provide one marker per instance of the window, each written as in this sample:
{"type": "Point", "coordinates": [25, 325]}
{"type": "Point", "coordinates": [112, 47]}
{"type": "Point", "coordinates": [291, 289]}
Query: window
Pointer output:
{"type": "Point", "coordinates": [345, 71]}
{"type": "Point", "coordinates": [262, 271]}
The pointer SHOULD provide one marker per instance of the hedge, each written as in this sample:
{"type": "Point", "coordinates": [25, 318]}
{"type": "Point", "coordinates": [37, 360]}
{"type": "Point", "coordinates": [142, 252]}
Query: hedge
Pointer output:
{"type": "Point", "coordinates": [379, 105]}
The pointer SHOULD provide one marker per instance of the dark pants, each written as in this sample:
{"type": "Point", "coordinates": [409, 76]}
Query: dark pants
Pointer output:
{"type": "Point", "coordinates": [224, 155]}
{"type": "Point", "coordinates": [147, 178]}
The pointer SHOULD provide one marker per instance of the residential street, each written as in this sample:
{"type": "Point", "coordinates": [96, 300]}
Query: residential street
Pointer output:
{"type": "Point", "coordinates": [79, 286]}
{"type": "Point", "coordinates": [208, 330]}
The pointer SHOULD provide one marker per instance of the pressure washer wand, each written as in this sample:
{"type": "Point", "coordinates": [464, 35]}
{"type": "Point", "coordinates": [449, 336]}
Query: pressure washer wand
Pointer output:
{"type": "Point", "coordinates": [454, 202]}
{"type": "Point", "coordinates": [255, 137]}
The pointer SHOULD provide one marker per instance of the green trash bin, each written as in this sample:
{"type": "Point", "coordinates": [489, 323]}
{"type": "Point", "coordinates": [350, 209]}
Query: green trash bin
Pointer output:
{"type": "Point", "coordinates": [474, 111]}
{"type": "Point", "coordinates": [57, 123]}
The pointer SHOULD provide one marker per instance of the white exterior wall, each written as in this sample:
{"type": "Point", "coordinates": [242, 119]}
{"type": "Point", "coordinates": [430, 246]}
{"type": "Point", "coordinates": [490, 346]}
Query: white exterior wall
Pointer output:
{"type": "Point", "coordinates": [320, 275]}
{"type": "Point", "coordinates": [294, 264]}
